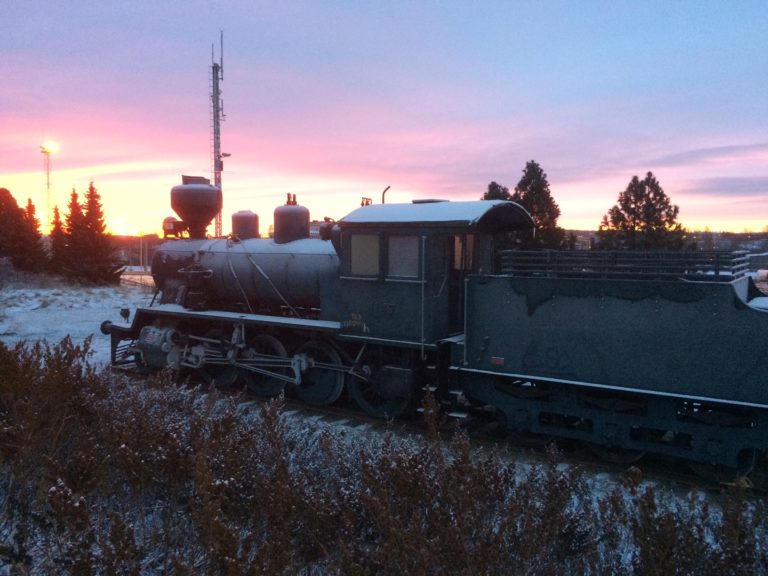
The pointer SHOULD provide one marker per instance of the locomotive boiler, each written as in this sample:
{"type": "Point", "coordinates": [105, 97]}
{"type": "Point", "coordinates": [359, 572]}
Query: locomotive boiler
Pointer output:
{"type": "Point", "coordinates": [630, 353]}
{"type": "Point", "coordinates": [289, 272]}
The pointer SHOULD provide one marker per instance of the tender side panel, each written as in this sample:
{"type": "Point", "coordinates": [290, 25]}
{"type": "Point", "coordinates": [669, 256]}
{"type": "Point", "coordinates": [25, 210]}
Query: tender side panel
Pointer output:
{"type": "Point", "coordinates": [683, 338]}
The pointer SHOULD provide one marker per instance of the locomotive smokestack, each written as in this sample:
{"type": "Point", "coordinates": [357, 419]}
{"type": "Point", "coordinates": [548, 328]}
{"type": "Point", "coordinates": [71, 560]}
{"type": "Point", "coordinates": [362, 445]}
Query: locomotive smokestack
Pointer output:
{"type": "Point", "coordinates": [197, 203]}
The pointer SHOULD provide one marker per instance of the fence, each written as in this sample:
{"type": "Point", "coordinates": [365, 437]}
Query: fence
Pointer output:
{"type": "Point", "coordinates": [640, 265]}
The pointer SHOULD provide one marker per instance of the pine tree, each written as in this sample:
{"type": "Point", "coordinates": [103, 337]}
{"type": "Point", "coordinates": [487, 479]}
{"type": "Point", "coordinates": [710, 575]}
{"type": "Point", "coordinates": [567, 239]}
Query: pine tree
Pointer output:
{"type": "Point", "coordinates": [642, 219]}
{"type": "Point", "coordinates": [532, 193]}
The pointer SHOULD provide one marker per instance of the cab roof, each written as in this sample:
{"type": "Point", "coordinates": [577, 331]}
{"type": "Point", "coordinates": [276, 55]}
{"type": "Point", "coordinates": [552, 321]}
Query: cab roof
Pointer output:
{"type": "Point", "coordinates": [490, 216]}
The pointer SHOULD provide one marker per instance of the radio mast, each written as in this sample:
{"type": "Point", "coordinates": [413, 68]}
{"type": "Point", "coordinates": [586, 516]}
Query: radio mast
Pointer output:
{"type": "Point", "coordinates": [217, 116]}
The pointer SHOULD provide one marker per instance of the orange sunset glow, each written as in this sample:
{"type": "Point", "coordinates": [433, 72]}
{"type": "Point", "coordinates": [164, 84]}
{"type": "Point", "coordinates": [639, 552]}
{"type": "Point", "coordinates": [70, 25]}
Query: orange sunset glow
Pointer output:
{"type": "Point", "coordinates": [335, 102]}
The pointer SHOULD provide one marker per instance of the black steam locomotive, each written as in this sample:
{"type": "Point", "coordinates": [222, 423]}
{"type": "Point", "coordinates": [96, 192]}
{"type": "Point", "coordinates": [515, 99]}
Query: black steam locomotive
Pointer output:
{"type": "Point", "coordinates": [628, 352]}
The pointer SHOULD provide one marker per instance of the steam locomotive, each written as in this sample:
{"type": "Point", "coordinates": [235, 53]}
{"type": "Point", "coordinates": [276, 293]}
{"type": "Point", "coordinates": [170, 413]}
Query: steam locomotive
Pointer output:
{"type": "Point", "coordinates": [631, 353]}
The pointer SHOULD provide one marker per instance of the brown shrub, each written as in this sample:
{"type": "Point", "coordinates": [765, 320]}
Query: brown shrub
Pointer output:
{"type": "Point", "coordinates": [102, 475]}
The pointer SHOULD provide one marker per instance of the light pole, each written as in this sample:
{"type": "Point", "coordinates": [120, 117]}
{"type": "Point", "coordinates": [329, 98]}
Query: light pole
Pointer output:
{"type": "Point", "coordinates": [47, 149]}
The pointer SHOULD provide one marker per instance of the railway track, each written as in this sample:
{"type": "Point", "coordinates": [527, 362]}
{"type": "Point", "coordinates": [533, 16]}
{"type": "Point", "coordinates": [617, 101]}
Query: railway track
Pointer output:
{"type": "Point", "coordinates": [488, 440]}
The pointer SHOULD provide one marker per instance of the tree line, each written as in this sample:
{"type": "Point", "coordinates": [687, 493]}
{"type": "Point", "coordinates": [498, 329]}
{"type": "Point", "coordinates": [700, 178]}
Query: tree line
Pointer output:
{"type": "Point", "coordinates": [643, 217]}
{"type": "Point", "coordinates": [78, 247]}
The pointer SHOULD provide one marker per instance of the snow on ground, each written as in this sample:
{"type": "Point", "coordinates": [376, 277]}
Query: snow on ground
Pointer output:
{"type": "Point", "coordinates": [52, 312]}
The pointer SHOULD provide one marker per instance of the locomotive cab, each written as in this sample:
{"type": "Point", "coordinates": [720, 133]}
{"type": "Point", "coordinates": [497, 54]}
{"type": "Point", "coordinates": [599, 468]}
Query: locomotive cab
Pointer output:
{"type": "Point", "coordinates": [403, 266]}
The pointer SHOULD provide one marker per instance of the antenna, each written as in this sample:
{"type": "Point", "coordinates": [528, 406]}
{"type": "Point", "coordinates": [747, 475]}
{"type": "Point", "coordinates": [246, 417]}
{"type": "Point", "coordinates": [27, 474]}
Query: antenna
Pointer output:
{"type": "Point", "coordinates": [217, 116]}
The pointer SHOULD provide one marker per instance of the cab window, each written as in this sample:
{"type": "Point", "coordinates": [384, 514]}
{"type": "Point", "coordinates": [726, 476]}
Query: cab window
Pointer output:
{"type": "Point", "coordinates": [403, 257]}
{"type": "Point", "coordinates": [464, 252]}
{"type": "Point", "coordinates": [364, 255]}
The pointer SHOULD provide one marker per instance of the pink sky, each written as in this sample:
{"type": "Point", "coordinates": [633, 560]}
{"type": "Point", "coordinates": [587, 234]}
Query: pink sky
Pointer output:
{"type": "Point", "coordinates": [334, 102]}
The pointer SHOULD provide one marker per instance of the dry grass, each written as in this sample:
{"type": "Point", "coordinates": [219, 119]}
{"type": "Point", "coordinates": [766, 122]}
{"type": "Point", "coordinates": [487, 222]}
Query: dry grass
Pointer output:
{"type": "Point", "coordinates": [102, 476]}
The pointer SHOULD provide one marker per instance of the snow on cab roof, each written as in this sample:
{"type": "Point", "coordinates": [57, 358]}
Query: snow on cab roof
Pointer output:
{"type": "Point", "coordinates": [485, 215]}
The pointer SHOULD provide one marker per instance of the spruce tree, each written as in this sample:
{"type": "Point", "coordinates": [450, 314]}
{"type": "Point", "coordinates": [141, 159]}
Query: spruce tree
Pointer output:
{"type": "Point", "coordinates": [74, 219]}
{"type": "Point", "coordinates": [20, 239]}
{"type": "Point", "coordinates": [10, 222]}
{"type": "Point", "coordinates": [58, 236]}
{"type": "Point", "coordinates": [102, 266]}
{"type": "Point", "coordinates": [31, 255]}
{"type": "Point", "coordinates": [75, 253]}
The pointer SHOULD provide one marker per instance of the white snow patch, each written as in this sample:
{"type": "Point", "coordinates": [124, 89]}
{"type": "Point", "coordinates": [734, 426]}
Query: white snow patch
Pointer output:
{"type": "Point", "coordinates": [34, 313]}
{"type": "Point", "coordinates": [760, 302]}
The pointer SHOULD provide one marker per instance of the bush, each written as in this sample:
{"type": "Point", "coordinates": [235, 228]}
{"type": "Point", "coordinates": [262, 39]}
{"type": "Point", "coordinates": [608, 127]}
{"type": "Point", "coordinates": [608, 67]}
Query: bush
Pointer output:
{"type": "Point", "coordinates": [102, 475]}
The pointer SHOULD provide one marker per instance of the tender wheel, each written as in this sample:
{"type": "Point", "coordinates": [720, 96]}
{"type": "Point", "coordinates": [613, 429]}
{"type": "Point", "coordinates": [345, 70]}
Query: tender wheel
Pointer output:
{"type": "Point", "coordinates": [520, 436]}
{"type": "Point", "coordinates": [759, 476]}
{"type": "Point", "coordinates": [718, 474]}
{"type": "Point", "coordinates": [373, 397]}
{"type": "Point", "coordinates": [323, 380]}
{"type": "Point", "coordinates": [615, 454]}
{"type": "Point", "coordinates": [261, 384]}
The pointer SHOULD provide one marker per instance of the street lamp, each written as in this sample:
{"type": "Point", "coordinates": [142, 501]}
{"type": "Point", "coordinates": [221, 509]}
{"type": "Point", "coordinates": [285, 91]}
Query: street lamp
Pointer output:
{"type": "Point", "coordinates": [47, 148]}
